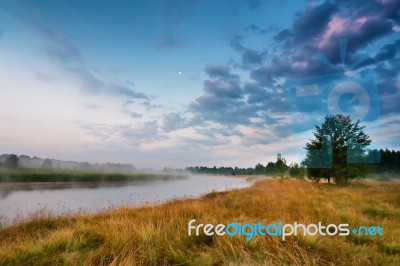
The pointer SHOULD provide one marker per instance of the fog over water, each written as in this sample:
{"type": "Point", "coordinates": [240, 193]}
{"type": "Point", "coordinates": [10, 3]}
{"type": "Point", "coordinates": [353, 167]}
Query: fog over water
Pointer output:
{"type": "Point", "coordinates": [23, 202]}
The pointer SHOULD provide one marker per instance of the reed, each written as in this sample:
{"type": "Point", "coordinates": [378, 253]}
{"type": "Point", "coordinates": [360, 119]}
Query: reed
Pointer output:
{"type": "Point", "coordinates": [157, 234]}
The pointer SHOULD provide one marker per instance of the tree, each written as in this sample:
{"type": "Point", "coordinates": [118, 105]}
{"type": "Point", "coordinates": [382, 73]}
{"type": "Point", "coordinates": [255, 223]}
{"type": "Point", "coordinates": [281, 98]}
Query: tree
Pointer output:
{"type": "Point", "coordinates": [295, 171]}
{"type": "Point", "coordinates": [259, 169]}
{"type": "Point", "coordinates": [337, 151]}
{"type": "Point", "coordinates": [84, 166]}
{"type": "Point", "coordinates": [270, 168]}
{"type": "Point", "coordinates": [280, 165]}
{"type": "Point", "coordinates": [12, 161]}
{"type": "Point", "coordinates": [47, 164]}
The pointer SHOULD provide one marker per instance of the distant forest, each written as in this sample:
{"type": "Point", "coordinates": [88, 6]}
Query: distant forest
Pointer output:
{"type": "Point", "coordinates": [27, 162]}
{"type": "Point", "coordinates": [389, 163]}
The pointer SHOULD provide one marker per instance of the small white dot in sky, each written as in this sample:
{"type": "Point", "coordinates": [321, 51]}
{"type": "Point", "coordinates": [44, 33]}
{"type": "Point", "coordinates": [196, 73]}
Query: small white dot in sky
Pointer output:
{"type": "Point", "coordinates": [180, 73]}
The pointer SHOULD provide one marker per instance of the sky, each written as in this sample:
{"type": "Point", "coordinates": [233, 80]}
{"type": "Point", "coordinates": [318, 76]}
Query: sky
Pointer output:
{"type": "Point", "coordinates": [176, 83]}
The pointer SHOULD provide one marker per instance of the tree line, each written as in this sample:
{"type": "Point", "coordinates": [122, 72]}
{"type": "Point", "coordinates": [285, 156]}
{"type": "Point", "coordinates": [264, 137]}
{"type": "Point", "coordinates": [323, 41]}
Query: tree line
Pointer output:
{"type": "Point", "coordinates": [259, 169]}
{"type": "Point", "coordinates": [389, 163]}
{"type": "Point", "coordinates": [338, 152]}
{"type": "Point", "coordinates": [13, 161]}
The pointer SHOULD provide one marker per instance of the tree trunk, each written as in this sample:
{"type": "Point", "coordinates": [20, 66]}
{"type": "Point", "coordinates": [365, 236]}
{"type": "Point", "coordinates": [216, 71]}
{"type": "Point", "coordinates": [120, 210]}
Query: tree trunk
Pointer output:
{"type": "Point", "coordinates": [329, 180]}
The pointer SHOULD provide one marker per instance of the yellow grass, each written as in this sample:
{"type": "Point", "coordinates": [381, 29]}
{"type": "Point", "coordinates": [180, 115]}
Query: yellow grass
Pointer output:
{"type": "Point", "coordinates": [157, 235]}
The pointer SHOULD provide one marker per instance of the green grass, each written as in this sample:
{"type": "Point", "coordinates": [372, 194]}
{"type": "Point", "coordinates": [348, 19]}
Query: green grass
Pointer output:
{"type": "Point", "coordinates": [157, 234]}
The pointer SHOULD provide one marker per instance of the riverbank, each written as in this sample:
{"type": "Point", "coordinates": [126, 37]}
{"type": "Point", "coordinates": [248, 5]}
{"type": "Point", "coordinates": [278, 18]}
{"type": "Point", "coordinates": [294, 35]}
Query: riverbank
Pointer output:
{"type": "Point", "coordinates": [35, 185]}
{"type": "Point", "coordinates": [30, 177]}
{"type": "Point", "coordinates": [76, 180]}
{"type": "Point", "coordinates": [157, 234]}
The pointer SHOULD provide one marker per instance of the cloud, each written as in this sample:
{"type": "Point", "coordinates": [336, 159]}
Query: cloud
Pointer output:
{"type": "Point", "coordinates": [283, 35]}
{"type": "Point", "coordinates": [387, 53]}
{"type": "Point", "coordinates": [261, 104]}
{"type": "Point", "coordinates": [221, 110]}
{"type": "Point", "coordinates": [361, 22]}
{"type": "Point", "coordinates": [173, 121]}
{"type": "Point", "coordinates": [206, 142]}
{"type": "Point", "coordinates": [251, 57]}
{"type": "Point", "coordinates": [272, 99]}
{"type": "Point", "coordinates": [361, 35]}
{"type": "Point", "coordinates": [277, 67]}
{"type": "Point", "coordinates": [235, 42]}
{"type": "Point", "coordinates": [149, 106]}
{"type": "Point", "coordinates": [60, 49]}
{"type": "Point", "coordinates": [244, 103]}
{"type": "Point", "coordinates": [125, 134]}
{"type": "Point", "coordinates": [390, 102]}
{"type": "Point", "coordinates": [219, 131]}
{"type": "Point", "coordinates": [221, 83]}
{"type": "Point", "coordinates": [387, 81]}
{"type": "Point", "coordinates": [384, 132]}
{"type": "Point", "coordinates": [227, 105]}
{"type": "Point", "coordinates": [263, 135]}
{"type": "Point", "coordinates": [222, 88]}
{"type": "Point", "coordinates": [219, 71]}
{"type": "Point", "coordinates": [126, 91]}
{"type": "Point", "coordinates": [90, 84]}
{"type": "Point", "coordinates": [319, 26]}
{"type": "Point", "coordinates": [135, 115]}
{"type": "Point", "coordinates": [65, 55]}
{"type": "Point", "coordinates": [257, 30]}
{"type": "Point", "coordinates": [43, 77]}
{"type": "Point", "coordinates": [312, 21]}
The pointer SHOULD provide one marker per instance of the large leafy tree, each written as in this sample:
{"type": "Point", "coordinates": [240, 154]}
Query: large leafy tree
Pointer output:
{"type": "Point", "coordinates": [337, 150]}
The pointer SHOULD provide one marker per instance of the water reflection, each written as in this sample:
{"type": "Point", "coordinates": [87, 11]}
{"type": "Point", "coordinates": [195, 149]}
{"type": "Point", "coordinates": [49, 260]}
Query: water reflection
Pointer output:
{"type": "Point", "coordinates": [6, 191]}
{"type": "Point", "coordinates": [22, 201]}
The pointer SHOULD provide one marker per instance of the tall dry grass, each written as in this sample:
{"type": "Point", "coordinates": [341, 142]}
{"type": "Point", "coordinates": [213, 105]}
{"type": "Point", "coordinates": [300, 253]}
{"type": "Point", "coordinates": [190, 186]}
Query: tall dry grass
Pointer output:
{"type": "Point", "coordinates": [157, 235]}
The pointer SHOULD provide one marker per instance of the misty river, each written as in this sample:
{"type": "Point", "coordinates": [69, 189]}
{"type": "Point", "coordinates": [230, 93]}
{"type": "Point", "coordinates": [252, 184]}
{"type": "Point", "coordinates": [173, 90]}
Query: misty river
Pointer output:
{"type": "Point", "coordinates": [17, 203]}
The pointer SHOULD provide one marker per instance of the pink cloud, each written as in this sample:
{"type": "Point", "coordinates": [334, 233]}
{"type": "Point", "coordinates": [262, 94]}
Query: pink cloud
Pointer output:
{"type": "Point", "coordinates": [336, 25]}
{"type": "Point", "coordinates": [250, 131]}
{"type": "Point", "coordinates": [361, 20]}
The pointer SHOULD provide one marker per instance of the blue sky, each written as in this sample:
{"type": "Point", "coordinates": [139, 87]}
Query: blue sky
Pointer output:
{"type": "Point", "coordinates": [177, 83]}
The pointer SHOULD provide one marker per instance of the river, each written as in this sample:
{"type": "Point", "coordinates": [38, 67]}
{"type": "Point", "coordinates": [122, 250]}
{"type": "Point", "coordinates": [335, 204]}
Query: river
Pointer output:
{"type": "Point", "coordinates": [24, 203]}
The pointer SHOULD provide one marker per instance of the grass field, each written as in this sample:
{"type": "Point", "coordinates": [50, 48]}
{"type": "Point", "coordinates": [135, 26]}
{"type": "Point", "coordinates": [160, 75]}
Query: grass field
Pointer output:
{"type": "Point", "coordinates": [157, 235]}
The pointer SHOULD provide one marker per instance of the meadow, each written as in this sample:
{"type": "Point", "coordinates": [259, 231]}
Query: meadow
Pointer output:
{"type": "Point", "coordinates": [157, 234]}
